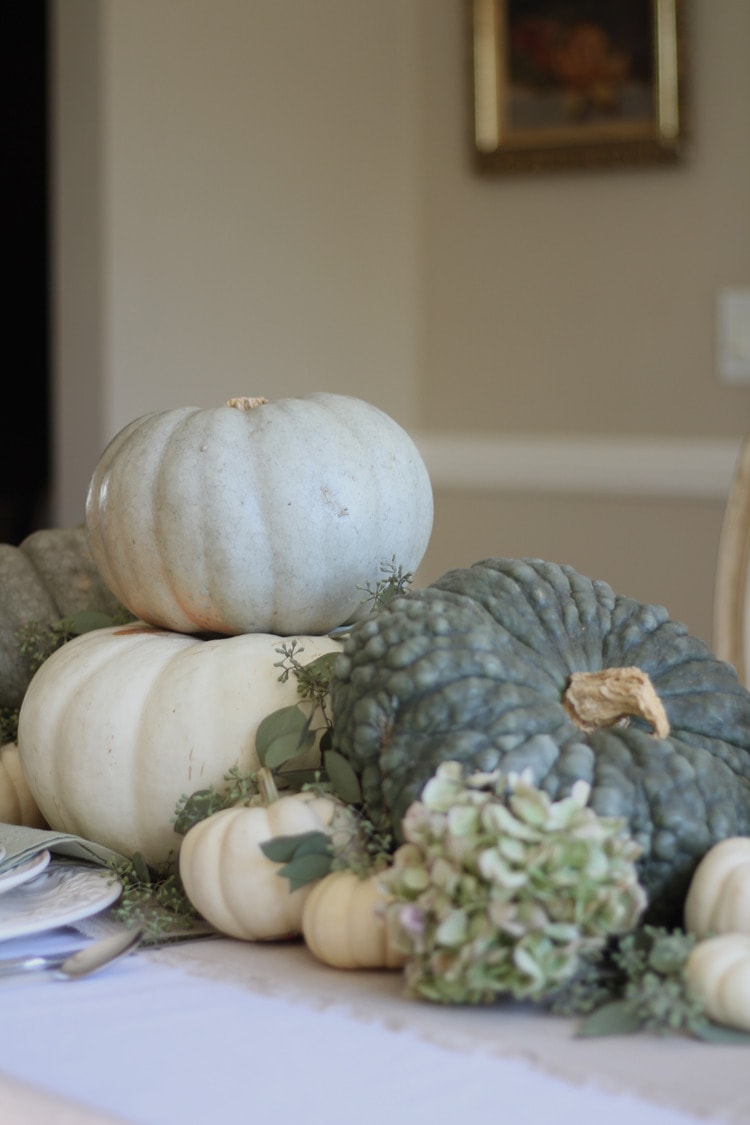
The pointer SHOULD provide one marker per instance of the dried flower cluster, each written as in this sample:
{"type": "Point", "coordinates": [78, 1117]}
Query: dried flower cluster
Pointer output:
{"type": "Point", "coordinates": [500, 890]}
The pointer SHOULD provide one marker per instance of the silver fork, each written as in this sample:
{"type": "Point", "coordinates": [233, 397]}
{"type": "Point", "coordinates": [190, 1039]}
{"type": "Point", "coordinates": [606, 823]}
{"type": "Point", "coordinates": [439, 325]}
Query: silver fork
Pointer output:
{"type": "Point", "coordinates": [79, 962]}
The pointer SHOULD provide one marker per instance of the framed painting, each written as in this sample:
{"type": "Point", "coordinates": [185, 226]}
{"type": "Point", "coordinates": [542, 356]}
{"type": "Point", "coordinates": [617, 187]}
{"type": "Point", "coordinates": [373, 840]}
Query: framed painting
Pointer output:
{"type": "Point", "coordinates": [577, 83]}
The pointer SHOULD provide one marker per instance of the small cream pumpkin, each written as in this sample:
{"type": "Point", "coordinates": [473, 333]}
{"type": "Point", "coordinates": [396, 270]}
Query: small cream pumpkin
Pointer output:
{"type": "Point", "coordinates": [718, 898]}
{"type": "Point", "coordinates": [232, 883]}
{"type": "Point", "coordinates": [342, 924]}
{"type": "Point", "coordinates": [121, 723]}
{"type": "Point", "coordinates": [718, 970]}
{"type": "Point", "coordinates": [17, 805]}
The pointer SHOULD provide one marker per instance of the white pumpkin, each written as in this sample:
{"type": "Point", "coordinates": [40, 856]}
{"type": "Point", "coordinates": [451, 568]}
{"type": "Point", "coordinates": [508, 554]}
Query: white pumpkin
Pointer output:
{"type": "Point", "coordinates": [233, 884]}
{"type": "Point", "coordinates": [718, 970]}
{"type": "Point", "coordinates": [343, 926]}
{"type": "Point", "coordinates": [120, 723]}
{"type": "Point", "coordinates": [718, 898]}
{"type": "Point", "coordinates": [257, 516]}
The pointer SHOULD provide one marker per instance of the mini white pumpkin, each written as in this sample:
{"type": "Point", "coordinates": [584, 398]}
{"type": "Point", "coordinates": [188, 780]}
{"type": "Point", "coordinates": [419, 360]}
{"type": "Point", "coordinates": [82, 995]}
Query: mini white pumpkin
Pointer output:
{"type": "Point", "coordinates": [119, 724]}
{"type": "Point", "coordinates": [233, 884]}
{"type": "Point", "coordinates": [257, 516]}
{"type": "Point", "coordinates": [718, 898]}
{"type": "Point", "coordinates": [17, 805]}
{"type": "Point", "coordinates": [343, 926]}
{"type": "Point", "coordinates": [718, 970]}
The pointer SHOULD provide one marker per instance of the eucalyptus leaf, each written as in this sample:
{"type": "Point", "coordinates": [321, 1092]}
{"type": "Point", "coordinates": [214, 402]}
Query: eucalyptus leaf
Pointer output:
{"type": "Point", "coordinates": [313, 843]}
{"type": "Point", "coordinates": [287, 748]}
{"type": "Point", "coordinates": [343, 778]}
{"type": "Point", "coordinates": [283, 721]}
{"type": "Point", "coordinates": [281, 849]}
{"type": "Point", "coordinates": [140, 868]}
{"type": "Point", "coordinates": [87, 619]}
{"type": "Point", "coordinates": [615, 1018]}
{"type": "Point", "coordinates": [283, 735]}
{"type": "Point", "coordinates": [196, 807]}
{"type": "Point", "coordinates": [304, 869]}
{"type": "Point", "coordinates": [716, 1033]}
{"type": "Point", "coordinates": [322, 666]}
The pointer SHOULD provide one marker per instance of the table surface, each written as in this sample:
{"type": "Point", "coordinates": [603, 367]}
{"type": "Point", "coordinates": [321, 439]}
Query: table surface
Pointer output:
{"type": "Point", "coordinates": [215, 1027]}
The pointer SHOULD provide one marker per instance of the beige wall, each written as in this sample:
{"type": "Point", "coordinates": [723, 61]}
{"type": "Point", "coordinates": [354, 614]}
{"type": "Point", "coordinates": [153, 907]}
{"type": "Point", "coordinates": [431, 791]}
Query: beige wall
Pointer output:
{"type": "Point", "coordinates": [255, 197]}
{"type": "Point", "coordinates": [584, 302]}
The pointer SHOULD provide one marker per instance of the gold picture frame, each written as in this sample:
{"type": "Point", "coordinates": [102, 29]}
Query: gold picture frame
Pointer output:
{"type": "Point", "coordinates": [577, 83]}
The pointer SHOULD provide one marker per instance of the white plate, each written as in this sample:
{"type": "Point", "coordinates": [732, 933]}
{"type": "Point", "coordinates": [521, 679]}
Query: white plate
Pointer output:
{"type": "Point", "coordinates": [63, 893]}
{"type": "Point", "coordinates": [25, 871]}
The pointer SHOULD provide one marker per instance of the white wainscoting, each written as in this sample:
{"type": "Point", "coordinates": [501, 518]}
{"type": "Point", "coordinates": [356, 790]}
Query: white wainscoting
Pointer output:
{"type": "Point", "coordinates": [700, 468]}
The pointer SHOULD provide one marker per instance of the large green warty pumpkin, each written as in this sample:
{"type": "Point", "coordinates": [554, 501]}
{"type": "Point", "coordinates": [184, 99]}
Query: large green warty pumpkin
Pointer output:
{"type": "Point", "coordinates": [477, 667]}
{"type": "Point", "coordinates": [50, 575]}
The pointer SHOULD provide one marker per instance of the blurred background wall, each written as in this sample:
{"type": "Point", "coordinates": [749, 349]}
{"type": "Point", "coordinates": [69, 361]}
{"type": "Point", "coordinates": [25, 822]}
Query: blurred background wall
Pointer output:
{"type": "Point", "coordinates": [260, 198]}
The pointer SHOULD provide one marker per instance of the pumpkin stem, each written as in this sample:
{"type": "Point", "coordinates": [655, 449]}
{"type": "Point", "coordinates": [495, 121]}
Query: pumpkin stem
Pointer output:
{"type": "Point", "coordinates": [267, 785]}
{"type": "Point", "coordinates": [602, 699]}
{"type": "Point", "coordinates": [246, 402]}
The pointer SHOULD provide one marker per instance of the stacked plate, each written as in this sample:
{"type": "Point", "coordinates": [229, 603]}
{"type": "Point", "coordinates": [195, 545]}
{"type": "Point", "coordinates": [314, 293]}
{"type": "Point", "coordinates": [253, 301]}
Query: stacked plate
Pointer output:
{"type": "Point", "coordinates": [40, 893]}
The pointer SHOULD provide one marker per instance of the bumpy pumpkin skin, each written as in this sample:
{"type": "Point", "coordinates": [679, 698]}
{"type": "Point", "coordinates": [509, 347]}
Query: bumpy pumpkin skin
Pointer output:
{"type": "Point", "coordinates": [120, 723]}
{"type": "Point", "coordinates": [273, 518]}
{"type": "Point", "coordinates": [50, 575]}
{"type": "Point", "coordinates": [474, 668]}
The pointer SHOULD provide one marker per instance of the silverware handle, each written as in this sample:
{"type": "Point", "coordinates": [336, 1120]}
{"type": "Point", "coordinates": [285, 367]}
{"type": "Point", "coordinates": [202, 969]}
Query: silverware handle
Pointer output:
{"type": "Point", "coordinates": [10, 965]}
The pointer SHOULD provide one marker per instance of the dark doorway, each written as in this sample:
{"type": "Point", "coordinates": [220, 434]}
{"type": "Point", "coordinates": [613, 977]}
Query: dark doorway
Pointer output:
{"type": "Point", "coordinates": [25, 444]}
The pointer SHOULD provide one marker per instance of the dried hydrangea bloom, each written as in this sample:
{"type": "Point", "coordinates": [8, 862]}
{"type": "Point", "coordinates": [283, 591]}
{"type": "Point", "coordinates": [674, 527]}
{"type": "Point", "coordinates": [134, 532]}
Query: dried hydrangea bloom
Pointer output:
{"type": "Point", "coordinates": [499, 890]}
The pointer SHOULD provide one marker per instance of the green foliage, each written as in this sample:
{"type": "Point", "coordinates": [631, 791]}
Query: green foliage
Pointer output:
{"type": "Point", "coordinates": [396, 581]}
{"type": "Point", "coordinates": [284, 735]}
{"type": "Point", "coordinates": [8, 725]}
{"type": "Point", "coordinates": [639, 984]}
{"type": "Point", "coordinates": [288, 733]}
{"type": "Point", "coordinates": [37, 641]}
{"type": "Point", "coordinates": [313, 679]}
{"type": "Point", "coordinates": [239, 789]}
{"type": "Point", "coordinates": [305, 858]}
{"type": "Point", "coordinates": [154, 900]}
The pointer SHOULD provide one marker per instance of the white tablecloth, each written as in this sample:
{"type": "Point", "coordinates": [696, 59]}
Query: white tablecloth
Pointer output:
{"type": "Point", "coordinates": [216, 1030]}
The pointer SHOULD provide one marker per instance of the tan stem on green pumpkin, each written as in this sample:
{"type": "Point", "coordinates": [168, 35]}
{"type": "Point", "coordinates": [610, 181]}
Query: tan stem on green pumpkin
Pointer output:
{"type": "Point", "coordinates": [602, 699]}
{"type": "Point", "coordinates": [246, 402]}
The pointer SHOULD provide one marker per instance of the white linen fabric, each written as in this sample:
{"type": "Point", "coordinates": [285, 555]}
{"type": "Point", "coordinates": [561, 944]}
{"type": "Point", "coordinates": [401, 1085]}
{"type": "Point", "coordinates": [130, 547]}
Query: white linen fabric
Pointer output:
{"type": "Point", "coordinates": [217, 1029]}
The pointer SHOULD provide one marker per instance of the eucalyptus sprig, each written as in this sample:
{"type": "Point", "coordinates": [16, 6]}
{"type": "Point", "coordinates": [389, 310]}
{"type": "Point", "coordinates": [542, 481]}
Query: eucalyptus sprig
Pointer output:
{"type": "Point", "coordinates": [352, 845]}
{"type": "Point", "coordinates": [289, 733]}
{"type": "Point", "coordinates": [639, 984]}
{"type": "Point", "coordinates": [239, 788]}
{"type": "Point", "coordinates": [396, 581]}
{"type": "Point", "coordinates": [313, 679]}
{"type": "Point", "coordinates": [8, 725]}
{"type": "Point", "coordinates": [154, 900]}
{"type": "Point", "coordinates": [36, 640]}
